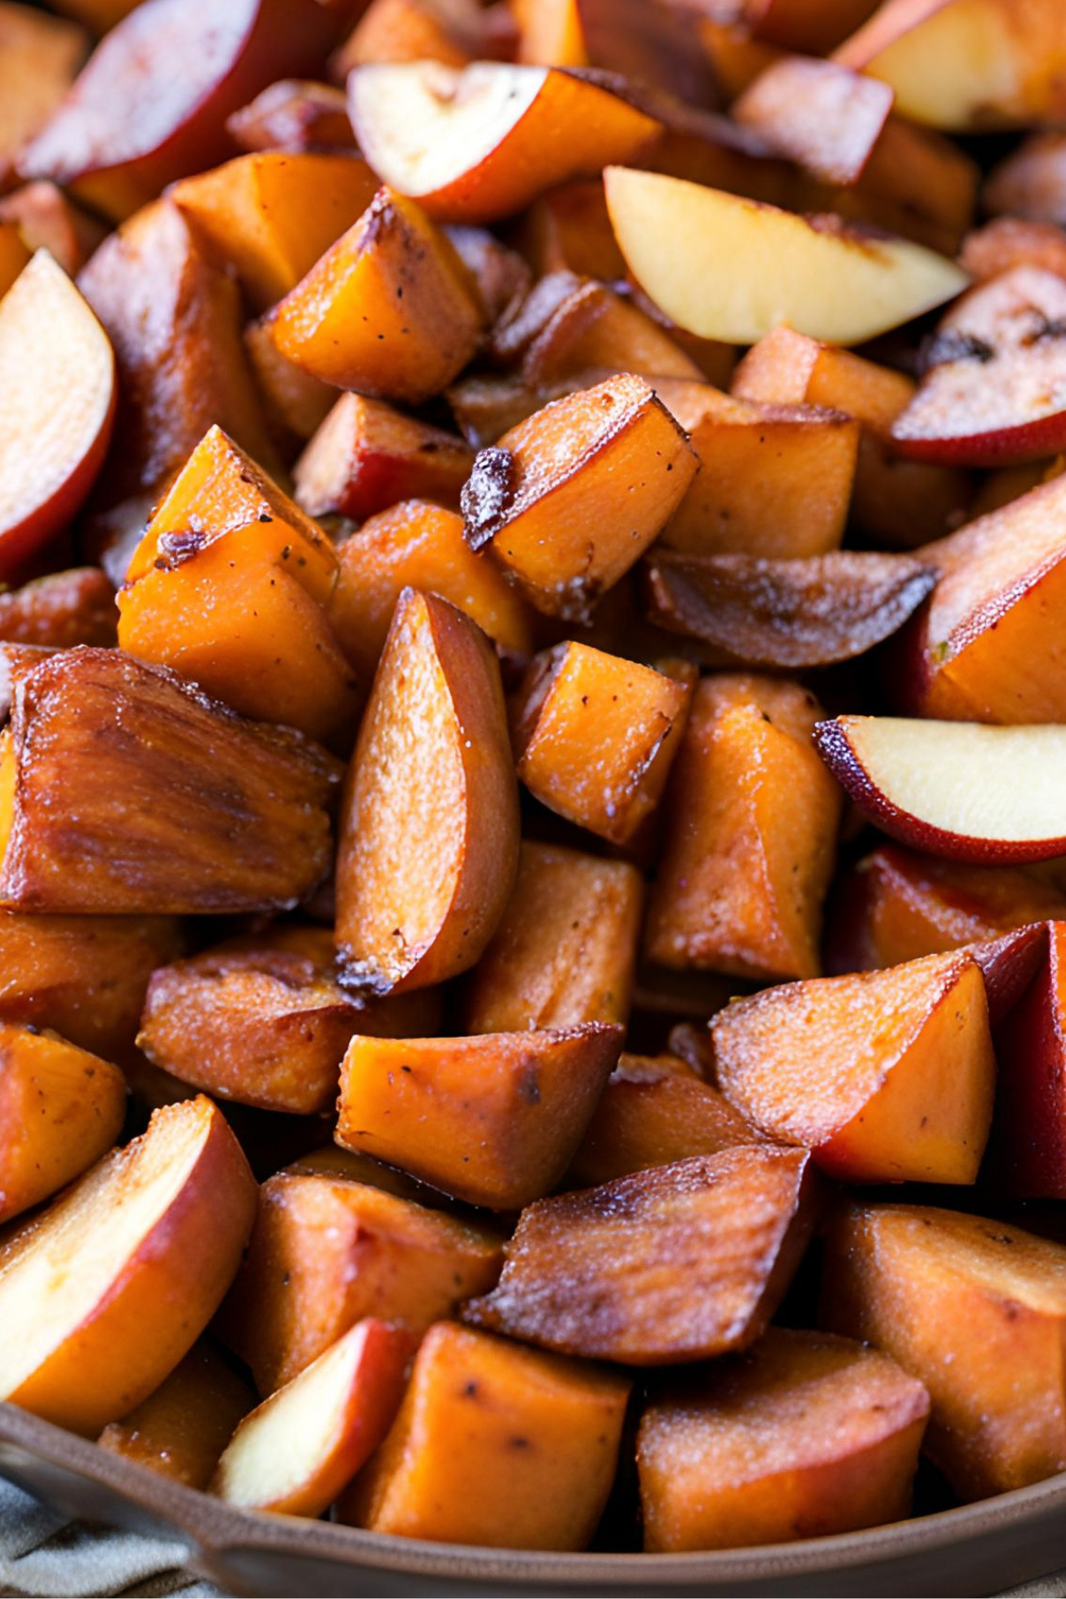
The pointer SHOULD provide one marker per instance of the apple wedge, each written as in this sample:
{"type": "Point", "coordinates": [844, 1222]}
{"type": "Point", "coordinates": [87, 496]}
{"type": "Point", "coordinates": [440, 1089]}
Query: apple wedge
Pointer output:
{"type": "Point", "coordinates": [103, 1293]}
{"type": "Point", "coordinates": [306, 1442]}
{"type": "Point", "coordinates": [40, 56]}
{"type": "Point", "coordinates": [958, 789]}
{"type": "Point", "coordinates": [57, 377]}
{"type": "Point", "coordinates": [819, 114]}
{"type": "Point", "coordinates": [738, 267]}
{"type": "Point", "coordinates": [1027, 1152]}
{"type": "Point", "coordinates": [367, 457]}
{"type": "Point", "coordinates": [481, 143]}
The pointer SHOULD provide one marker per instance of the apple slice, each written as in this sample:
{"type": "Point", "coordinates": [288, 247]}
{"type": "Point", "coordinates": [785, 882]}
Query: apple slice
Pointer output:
{"type": "Point", "coordinates": [40, 57]}
{"type": "Point", "coordinates": [793, 613]}
{"type": "Point", "coordinates": [994, 390]}
{"type": "Point", "coordinates": [1027, 1152]}
{"type": "Point", "coordinates": [102, 1294]}
{"type": "Point", "coordinates": [958, 789]}
{"type": "Point", "coordinates": [481, 143]}
{"type": "Point", "coordinates": [736, 267]}
{"type": "Point", "coordinates": [823, 116]}
{"type": "Point", "coordinates": [297, 1451]}
{"type": "Point", "coordinates": [57, 378]}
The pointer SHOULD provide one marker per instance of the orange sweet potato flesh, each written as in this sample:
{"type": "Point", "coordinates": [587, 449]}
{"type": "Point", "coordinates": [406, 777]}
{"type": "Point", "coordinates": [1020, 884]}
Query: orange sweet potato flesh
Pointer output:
{"type": "Point", "coordinates": [652, 1112]}
{"type": "Point", "coordinates": [737, 890]}
{"type": "Point", "coordinates": [388, 309]}
{"type": "Point", "coordinates": [494, 1444]}
{"type": "Point", "coordinates": [326, 1252]}
{"type": "Point", "coordinates": [429, 828]}
{"type": "Point", "coordinates": [676, 1263]}
{"type": "Point", "coordinates": [974, 1309]}
{"type": "Point", "coordinates": [182, 1428]}
{"type": "Point", "coordinates": [493, 1119]}
{"type": "Point", "coordinates": [152, 799]}
{"type": "Point", "coordinates": [296, 404]}
{"type": "Point", "coordinates": [61, 610]}
{"type": "Point", "coordinates": [297, 114]}
{"type": "Point", "coordinates": [60, 1109]}
{"type": "Point", "coordinates": [229, 587]}
{"type": "Point", "coordinates": [412, 30]}
{"type": "Point", "coordinates": [802, 1436]}
{"type": "Point", "coordinates": [594, 328]}
{"type": "Point", "coordinates": [565, 948]}
{"type": "Point", "coordinates": [14, 254]}
{"type": "Point", "coordinates": [885, 1076]}
{"type": "Point", "coordinates": [367, 456]}
{"type": "Point", "coordinates": [596, 735]}
{"type": "Point", "coordinates": [572, 497]}
{"type": "Point", "coordinates": [421, 545]}
{"type": "Point", "coordinates": [48, 220]}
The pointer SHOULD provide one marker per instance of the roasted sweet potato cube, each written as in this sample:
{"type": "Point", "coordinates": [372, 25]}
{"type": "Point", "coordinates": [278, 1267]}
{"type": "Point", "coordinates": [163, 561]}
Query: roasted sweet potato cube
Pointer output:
{"type": "Point", "coordinates": [656, 45]}
{"type": "Point", "coordinates": [60, 1109]}
{"type": "Point", "coordinates": [885, 1076]}
{"type": "Point", "coordinates": [672, 1264]}
{"type": "Point", "coordinates": [40, 56]}
{"type": "Point", "coordinates": [974, 1309]}
{"type": "Point", "coordinates": [569, 228]}
{"type": "Point", "coordinates": [1027, 1151]}
{"type": "Point", "coordinates": [501, 276]}
{"type": "Point", "coordinates": [61, 610]}
{"type": "Point", "coordinates": [367, 457]}
{"type": "Point", "coordinates": [750, 829]}
{"type": "Point", "coordinates": [14, 254]}
{"type": "Point", "coordinates": [429, 829]}
{"type": "Point", "coordinates": [420, 545]}
{"type": "Point", "coordinates": [802, 1436]}
{"type": "Point", "coordinates": [565, 948]}
{"type": "Point", "coordinates": [271, 215]}
{"type": "Point", "coordinates": [595, 329]}
{"type": "Point", "coordinates": [494, 1444]}
{"type": "Point", "coordinates": [895, 905]}
{"type": "Point", "coordinates": [125, 790]}
{"type": "Point", "coordinates": [296, 404]}
{"type": "Point", "coordinates": [229, 587]}
{"type": "Point", "coordinates": [595, 737]}
{"type": "Point", "coordinates": [655, 1111]}
{"type": "Point", "coordinates": [181, 1430]}
{"type": "Point", "coordinates": [412, 30]}
{"type": "Point", "coordinates": [48, 220]}
{"type": "Point", "coordinates": [572, 497]}
{"type": "Point", "coordinates": [330, 1160]}
{"type": "Point", "coordinates": [297, 114]}
{"type": "Point", "coordinates": [492, 1119]}
{"type": "Point", "coordinates": [389, 309]}
{"type": "Point", "coordinates": [325, 1252]}
{"type": "Point", "coordinates": [774, 480]}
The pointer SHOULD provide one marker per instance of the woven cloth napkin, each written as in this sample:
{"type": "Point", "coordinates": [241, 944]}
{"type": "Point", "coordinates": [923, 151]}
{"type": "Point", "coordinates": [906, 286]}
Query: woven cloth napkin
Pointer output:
{"type": "Point", "coordinates": [41, 1553]}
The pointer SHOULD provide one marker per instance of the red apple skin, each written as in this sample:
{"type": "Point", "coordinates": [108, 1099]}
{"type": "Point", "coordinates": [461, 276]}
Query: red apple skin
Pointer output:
{"type": "Point", "coordinates": [1030, 441]}
{"type": "Point", "coordinates": [1026, 1157]}
{"type": "Point", "coordinates": [1009, 965]}
{"type": "Point", "coordinates": [20, 542]}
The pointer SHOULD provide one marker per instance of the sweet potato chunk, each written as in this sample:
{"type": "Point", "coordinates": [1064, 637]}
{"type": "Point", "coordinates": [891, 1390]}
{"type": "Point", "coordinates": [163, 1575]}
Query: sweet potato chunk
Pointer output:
{"type": "Point", "coordinates": [14, 254]}
{"type": "Point", "coordinates": [672, 1264]}
{"type": "Point", "coordinates": [326, 1252]}
{"type": "Point", "coordinates": [48, 220]}
{"type": "Point", "coordinates": [412, 30]}
{"type": "Point", "coordinates": [271, 215]}
{"type": "Point", "coordinates": [494, 1444]}
{"type": "Point", "coordinates": [388, 309]}
{"type": "Point", "coordinates": [492, 1119]}
{"type": "Point", "coordinates": [298, 1449]}
{"type": "Point", "coordinates": [421, 545]}
{"type": "Point", "coordinates": [182, 1428]}
{"type": "Point", "coordinates": [739, 889]}
{"type": "Point", "coordinates": [367, 457]}
{"type": "Point", "coordinates": [803, 1436]}
{"type": "Point", "coordinates": [565, 948]}
{"type": "Point", "coordinates": [653, 1112]}
{"type": "Point", "coordinates": [569, 229]}
{"type": "Point", "coordinates": [297, 114]}
{"type": "Point", "coordinates": [429, 831]}
{"type": "Point", "coordinates": [974, 1309]}
{"type": "Point", "coordinates": [595, 329]}
{"type": "Point", "coordinates": [885, 1076]}
{"type": "Point", "coordinates": [1027, 1151]}
{"type": "Point", "coordinates": [296, 404]}
{"type": "Point", "coordinates": [229, 586]}
{"type": "Point", "coordinates": [60, 1109]}
{"type": "Point", "coordinates": [572, 497]}
{"type": "Point", "coordinates": [124, 790]}
{"type": "Point", "coordinates": [61, 610]}
{"type": "Point", "coordinates": [596, 736]}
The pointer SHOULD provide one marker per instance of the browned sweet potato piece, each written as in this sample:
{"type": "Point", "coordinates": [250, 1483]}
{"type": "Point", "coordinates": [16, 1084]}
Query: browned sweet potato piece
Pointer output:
{"type": "Point", "coordinates": [672, 1264]}
{"type": "Point", "coordinates": [123, 789]}
{"type": "Point", "coordinates": [655, 1111]}
{"type": "Point", "coordinates": [389, 309]}
{"type": "Point", "coordinates": [366, 457]}
{"type": "Point", "coordinates": [1007, 242]}
{"type": "Point", "coordinates": [974, 1309]}
{"type": "Point", "coordinates": [326, 1252]}
{"type": "Point", "coordinates": [565, 948]}
{"type": "Point", "coordinates": [412, 30]}
{"type": "Point", "coordinates": [573, 496]}
{"type": "Point", "coordinates": [60, 1110]}
{"type": "Point", "coordinates": [885, 1076]}
{"type": "Point", "coordinates": [1027, 1151]}
{"type": "Point", "coordinates": [181, 1430]}
{"type": "Point", "coordinates": [500, 275]}
{"type": "Point", "coordinates": [48, 220]}
{"type": "Point", "coordinates": [750, 829]}
{"type": "Point", "coordinates": [330, 1160]}
{"type": "Point", "coordinates": [569, 228]}
{"type": "Point", "coordinates": [596, 735]}
{"type": "Point", "coordinates": [295, 114]}
{"type": "Point", "coordinates": [532, 1438]}
{"type": "Point", "coordinates": [526, 318]}
{"type": "Point", "coordinates": [802, 1436]}
{"type": "Point", "coordinates": [595, 329]}
{"type": "Point", "coordinates": [61, 610]}
{"type": "Point", "coordinates": [492, 1119]}
{"type": "Point", "coordinates": [791, 613]}
{"type": "Point", "coordinates": [14, 254]}
{"type": "Point", "coordinates": [655, 44]}
{"type": "Point", "coordinates": [296, 404]}
{"type": "Point", "coordinates": [429, 831]}
{"type": "Point", "coordinates": [40, 57]}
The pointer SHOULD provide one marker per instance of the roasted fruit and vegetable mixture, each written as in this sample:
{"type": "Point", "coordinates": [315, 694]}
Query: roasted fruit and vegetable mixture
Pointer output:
{"type": "Point", "coordinates": [533, 781]}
